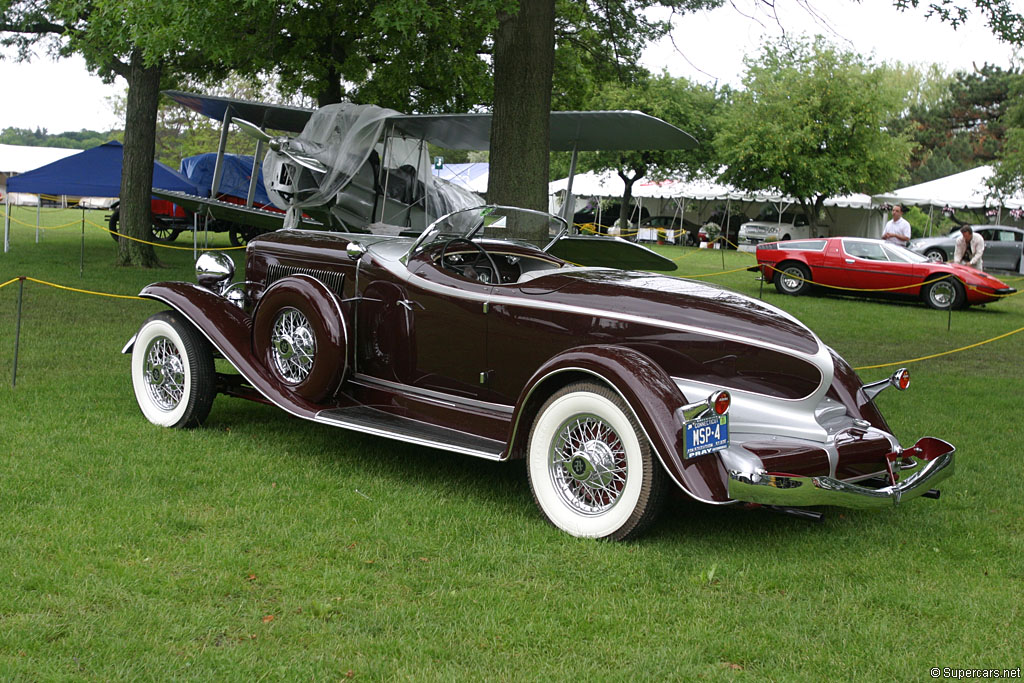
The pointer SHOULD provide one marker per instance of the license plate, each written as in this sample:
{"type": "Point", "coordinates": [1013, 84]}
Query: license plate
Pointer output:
{"type": "Point", "coordinates": [707, 435]}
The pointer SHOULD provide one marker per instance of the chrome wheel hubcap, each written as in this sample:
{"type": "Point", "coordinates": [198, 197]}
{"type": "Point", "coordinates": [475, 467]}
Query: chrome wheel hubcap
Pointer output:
{"type": "Point", "coordinates": [789, 279]}
{"type": "Point", "coordinates": [943, 294]}
{"type": "Point", "coordinates": [588, 465]}
{"type": "Point", "coordinates": [164, 373]}
{"type": "Point", "coordinates": [293, 345]}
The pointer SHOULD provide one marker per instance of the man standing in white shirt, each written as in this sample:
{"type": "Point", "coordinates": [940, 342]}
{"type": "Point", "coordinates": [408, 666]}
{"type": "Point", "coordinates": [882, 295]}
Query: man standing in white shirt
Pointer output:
{"type": "Point", "coordinates": [897, 231]}
{"type": "Point", "coordinates": [969, 248]}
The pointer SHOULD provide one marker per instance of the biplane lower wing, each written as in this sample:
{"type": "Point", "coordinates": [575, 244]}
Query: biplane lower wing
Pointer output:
{"type": "Point", "coordinates": [231, 212]}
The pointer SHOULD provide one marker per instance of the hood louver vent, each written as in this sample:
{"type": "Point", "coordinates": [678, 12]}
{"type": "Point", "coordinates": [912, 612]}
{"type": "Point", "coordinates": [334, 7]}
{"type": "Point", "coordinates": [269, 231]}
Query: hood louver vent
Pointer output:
{"type": "Point", "coordinates": [334, 281]}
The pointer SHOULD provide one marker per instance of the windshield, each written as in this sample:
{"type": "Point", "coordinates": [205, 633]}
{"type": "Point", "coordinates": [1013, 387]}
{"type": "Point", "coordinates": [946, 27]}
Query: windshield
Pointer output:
{"type": "Point", "coordinates": [493, 222]}
{"type": "Point", "coordinates": [898, 253]}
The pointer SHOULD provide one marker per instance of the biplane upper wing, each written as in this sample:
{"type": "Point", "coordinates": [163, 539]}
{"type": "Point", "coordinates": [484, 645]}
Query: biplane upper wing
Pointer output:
{"type": "Point", "coordinates": [580, 130]}
{"type": "Point", "coordinates": [275, 116]}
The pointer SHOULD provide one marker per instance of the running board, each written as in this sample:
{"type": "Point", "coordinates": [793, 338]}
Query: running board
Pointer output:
{"type": "Point", "coordinates": [372, 421]}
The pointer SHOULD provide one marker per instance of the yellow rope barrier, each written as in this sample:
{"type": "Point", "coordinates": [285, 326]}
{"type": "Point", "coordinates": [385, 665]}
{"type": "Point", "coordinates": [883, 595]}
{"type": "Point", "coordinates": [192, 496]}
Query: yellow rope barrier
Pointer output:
{"type": "Point", "coordinates": [893, 289]}
{"type": "Point", "coordinates": [154, 244]}
{"type": "Point", "coordinates": [45, 227]}
{"type": "Point", "coordinates": [721, 272]}
{"type": "Point", "coordinates": [10, 282]}
{"type": "Point", "coordinates": [944, 353]}
{"type": "Point", "coordinates": [856, 289]}
{"type": "Point", "coordinates": [82, 291]}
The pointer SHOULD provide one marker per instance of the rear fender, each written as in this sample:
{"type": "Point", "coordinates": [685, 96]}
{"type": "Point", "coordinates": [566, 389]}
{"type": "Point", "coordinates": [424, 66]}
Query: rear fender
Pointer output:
{"type": "Point", "coordinates": [229, 330]}
{"type": "Point", "coordinates": [650, 393]}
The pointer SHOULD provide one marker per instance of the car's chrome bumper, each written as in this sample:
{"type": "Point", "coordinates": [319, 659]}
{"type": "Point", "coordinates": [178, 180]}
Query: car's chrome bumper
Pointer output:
{"type": "Point", "coordinates": [932, 462]}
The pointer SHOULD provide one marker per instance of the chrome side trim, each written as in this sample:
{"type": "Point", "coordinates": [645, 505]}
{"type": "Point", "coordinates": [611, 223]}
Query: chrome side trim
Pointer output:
{"type": "Point", "coordinates": [439, 395]}
{"type": "Point", "coordinates": [376, 431]}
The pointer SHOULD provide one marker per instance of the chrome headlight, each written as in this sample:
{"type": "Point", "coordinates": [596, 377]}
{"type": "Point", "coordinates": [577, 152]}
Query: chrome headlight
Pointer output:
{"type": "Point", "coordinates": [214, 270]}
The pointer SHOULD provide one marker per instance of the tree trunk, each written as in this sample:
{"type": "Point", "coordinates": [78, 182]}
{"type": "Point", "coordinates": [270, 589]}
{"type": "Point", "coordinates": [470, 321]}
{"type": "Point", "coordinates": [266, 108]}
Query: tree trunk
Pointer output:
{"type": "Point", "coordinates": [137, 167]}
{"type": "Point", "coordinates": [524, 56]}
{"type": "Point", "coordinates": [627, 195]}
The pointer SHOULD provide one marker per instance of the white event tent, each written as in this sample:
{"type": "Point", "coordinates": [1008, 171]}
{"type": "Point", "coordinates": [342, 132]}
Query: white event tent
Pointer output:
{"type": "Point", "coordinates": [694, 199]}
{"type": "Point", "coordinates": [965, 190]}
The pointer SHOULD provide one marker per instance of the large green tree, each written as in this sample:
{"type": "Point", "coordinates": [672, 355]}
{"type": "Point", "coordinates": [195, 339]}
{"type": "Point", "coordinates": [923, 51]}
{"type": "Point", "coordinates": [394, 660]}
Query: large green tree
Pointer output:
{"type": "Point", "coordinates": [149, 45]}
{"type": "Point", "coordinates": [809, 124]}
{"type": "Point", "coordinates": [689, 106]}
{"type": "Point", "coordinates": [956, 120]}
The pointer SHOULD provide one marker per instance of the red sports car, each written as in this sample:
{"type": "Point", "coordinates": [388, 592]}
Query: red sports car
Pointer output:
{"type": "Point", "coordinates": [856, 264]}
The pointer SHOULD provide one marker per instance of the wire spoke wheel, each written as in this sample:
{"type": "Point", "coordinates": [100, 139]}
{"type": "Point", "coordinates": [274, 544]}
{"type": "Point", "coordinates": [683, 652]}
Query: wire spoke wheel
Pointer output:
{"type": "Point", "coordinates": [591, 468]}
{"type": "Point", "coordinates": [588, 465]}
{"type": "Point", "coordinates": [172, 371]}
{"type": "Point", "coordinates": [293, 345]}
{"type": "Point", "coordinates": [164, 373]}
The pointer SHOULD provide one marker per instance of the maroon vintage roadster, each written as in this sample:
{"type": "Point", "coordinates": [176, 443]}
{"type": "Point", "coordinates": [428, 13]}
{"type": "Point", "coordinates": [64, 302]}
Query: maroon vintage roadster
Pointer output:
{"type": "Point", "coordinates": [615, 386]}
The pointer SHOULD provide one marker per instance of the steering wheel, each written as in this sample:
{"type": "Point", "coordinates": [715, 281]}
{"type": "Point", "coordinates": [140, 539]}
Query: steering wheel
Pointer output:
{"type": "Point", "coordinates": [472, 265]}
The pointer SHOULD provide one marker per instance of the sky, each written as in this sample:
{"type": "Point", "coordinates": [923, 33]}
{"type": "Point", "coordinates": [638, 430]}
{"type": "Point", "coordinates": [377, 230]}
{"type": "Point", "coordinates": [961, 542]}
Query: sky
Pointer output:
{"type": "Point", "coordinates": [706, 47]}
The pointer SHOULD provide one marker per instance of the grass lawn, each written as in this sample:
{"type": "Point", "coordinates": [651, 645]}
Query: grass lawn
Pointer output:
{"type": "Point", "coordinates": [262, 546]}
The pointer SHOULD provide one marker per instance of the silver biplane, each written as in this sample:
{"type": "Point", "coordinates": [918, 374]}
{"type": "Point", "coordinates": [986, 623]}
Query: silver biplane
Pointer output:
{"type": "Point", "coordinates": [366, 169]}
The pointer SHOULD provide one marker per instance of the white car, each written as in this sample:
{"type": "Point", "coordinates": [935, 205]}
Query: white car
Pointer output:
{"type": "Point", "coordinates": [791, 226]}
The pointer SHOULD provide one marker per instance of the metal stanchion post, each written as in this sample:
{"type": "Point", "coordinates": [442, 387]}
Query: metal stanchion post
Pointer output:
{"type": "Point", "coordinates": [17, 332]}
{"type": "Point", "coordinates": [949, 319]}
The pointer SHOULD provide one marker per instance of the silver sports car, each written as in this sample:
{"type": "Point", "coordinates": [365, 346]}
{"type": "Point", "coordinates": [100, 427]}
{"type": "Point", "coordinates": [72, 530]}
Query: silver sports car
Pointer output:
{"type": "Point", "coordinates": [1003, 246]}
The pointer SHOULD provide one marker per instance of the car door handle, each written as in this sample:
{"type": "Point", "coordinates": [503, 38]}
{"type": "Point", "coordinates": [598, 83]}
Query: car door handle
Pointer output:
{"type": "Point", "coordinates": [850, 260]}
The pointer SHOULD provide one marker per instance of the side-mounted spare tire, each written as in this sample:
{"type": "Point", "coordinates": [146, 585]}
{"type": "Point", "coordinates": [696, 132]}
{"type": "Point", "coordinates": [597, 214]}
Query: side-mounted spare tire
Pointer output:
{"type": "Point", "coordinates": [299, 333]}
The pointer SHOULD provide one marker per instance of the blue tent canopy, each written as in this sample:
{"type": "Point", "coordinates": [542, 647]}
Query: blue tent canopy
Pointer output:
{"type": "Point", "coordinates": [95, 172]}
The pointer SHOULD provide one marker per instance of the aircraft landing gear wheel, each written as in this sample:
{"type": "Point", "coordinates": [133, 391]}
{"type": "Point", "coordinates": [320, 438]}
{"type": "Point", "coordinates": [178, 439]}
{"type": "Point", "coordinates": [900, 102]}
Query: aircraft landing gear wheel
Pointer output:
{"type": "Point", "coordinates": [590, 466]}
{"type": "Point", "coordinates": [173, 372]}
{"type": "Point", "coordinates": [239, 235]}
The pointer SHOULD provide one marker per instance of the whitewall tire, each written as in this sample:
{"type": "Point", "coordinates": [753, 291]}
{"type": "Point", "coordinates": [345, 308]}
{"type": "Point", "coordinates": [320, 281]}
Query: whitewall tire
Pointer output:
{"type": "Point", "coordinates": [172, 371]}
{"type": "Point", "coordinates": [590, 466]}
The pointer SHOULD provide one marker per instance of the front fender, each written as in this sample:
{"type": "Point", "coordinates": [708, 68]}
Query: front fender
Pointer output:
{"type": "Point", "coordinates": [651, 394]}
{"type": "Point", "coordinates": [229, 329]}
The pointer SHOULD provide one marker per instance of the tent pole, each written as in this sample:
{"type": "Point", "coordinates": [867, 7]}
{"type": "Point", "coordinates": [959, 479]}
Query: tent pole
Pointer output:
{"type": "Point", "coordinates": [81, 254]}
{"type": "Point", "coordinates": [725, 228]}
{"type": "Point", "coordinates": [569, 205]}
{"type": "Point", "coordinates": [195, 236]}
{"type": "Point", "coordinates": [7, 222]}
{"type": "Point", "coordinates": [682, 225]}
{"type": "Point", "coordinates": [39, 208]}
